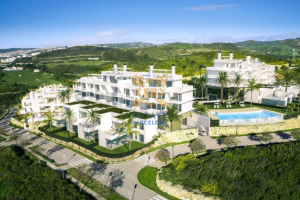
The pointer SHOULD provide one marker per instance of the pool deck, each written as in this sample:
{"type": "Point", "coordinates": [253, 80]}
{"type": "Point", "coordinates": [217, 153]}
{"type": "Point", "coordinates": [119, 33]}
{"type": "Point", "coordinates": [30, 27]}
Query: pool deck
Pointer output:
{"type": "Point", "coordinates": [235, 110]}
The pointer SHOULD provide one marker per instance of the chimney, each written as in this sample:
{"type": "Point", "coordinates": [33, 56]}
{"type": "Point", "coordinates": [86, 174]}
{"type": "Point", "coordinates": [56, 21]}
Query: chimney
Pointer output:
{"type": "Point", "coordinates": [248, 59]}
{"type": "Point", "coordinates": [219, 55]}
{"type": "Point", "coordinates": [115, 68]}
{"type": "Point", "coordinates": [124, 68]}
{"type": "Point", "coordinates": [231, 56]}
{"type": "Point", "coordinates": [151, 70]}
{"type": "Point", "coordinates": [173, 71]}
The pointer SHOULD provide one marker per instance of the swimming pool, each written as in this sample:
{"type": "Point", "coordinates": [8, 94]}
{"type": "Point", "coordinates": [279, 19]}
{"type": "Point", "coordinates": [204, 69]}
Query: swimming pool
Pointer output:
{"type": "Point", "coordinates": [248, 117]}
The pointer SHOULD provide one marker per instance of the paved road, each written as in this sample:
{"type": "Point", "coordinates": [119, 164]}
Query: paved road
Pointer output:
{"type": "Point", "coordinates": [129, 169]}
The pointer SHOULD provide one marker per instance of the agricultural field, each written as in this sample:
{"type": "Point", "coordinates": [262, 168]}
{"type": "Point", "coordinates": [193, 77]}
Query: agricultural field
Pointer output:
{"type": "Point", "coordinates": [29, 77]}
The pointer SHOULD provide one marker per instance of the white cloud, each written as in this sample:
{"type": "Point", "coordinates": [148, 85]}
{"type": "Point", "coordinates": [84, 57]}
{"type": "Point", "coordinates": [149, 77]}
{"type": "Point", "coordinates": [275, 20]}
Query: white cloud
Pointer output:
{"type": "Point", "coordinates": [215, 7]}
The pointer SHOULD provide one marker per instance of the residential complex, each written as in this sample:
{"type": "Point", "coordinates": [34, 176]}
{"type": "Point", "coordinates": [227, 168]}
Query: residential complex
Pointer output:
{"type": "Point", "coordinates": [120, 93]}
{"type": "Point", "coordinates": [248, 68]}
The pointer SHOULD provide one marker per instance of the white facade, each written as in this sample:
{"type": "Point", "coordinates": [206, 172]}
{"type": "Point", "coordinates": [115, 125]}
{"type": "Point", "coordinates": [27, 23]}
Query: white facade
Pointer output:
{"type": "Point", "coordinates": [13, 68]}
{"type": "Point", "coordinates": [42, 100]}
{"type": "Point", "coordinates": [248, 69]}
{"type": "Point", "coordinates": [130, 92]}
{"type": "Point", "coordinates": [275, 96]}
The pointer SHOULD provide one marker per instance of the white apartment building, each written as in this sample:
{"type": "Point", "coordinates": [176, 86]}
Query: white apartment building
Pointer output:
{"type": "Point", "coordinates": [275, 96]}
{"type": "Point", "coordinates": [132, 93]}
{"type": "Point", "coordinates": [248, 69]}
{"type": "Point", "coordinates": [40, 101]}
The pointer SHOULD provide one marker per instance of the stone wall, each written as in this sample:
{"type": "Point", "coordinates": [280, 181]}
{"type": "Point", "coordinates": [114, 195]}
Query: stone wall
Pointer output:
{"type": "Point", "coordinates": [289, 124]}
{"type": "Point", "coordinates": [180, 193]}
{"type": "Point", "coordinates": [176, 137]}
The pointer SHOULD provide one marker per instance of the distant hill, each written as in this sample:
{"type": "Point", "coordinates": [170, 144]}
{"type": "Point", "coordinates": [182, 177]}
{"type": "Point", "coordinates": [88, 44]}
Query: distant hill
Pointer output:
{"type": "Point", "coordinates": [127, 45]}
{"type": "Point", "coordinates": [278, 47]}
{"type": "Point", "coordinates": [13, 49]}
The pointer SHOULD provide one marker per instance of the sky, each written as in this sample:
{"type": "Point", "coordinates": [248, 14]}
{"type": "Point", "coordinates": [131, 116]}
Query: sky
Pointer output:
{"type": "Point", "coordinates": [48, 23]}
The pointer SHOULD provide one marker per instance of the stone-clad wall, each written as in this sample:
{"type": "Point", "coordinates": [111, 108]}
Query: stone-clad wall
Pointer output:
{"type": "Point", "coordinates": [176, 137]}
{"type": "Point", "coordinates": [180, 193]}
{"type": "Point", "coordinates": [259, 128]}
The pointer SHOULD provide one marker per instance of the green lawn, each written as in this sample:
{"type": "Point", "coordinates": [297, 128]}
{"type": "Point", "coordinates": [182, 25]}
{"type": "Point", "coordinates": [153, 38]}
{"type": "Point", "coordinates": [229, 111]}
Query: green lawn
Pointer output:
{"type": "Point", "coordinates": [121, 149]}
{"type": "Point", "coordinates": [147, 177]}
{"type": "Point", "coordinates": [84, 141]}
{"type": "Point", "coordinates": [65, 134]}
{"type": "Point", "coordinates": [29, 77]}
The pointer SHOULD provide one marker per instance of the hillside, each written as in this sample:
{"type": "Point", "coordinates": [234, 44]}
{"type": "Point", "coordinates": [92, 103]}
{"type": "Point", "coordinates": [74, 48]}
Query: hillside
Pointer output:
{"type": "Point", "coordinates": [279, 47]}
{"type": "Point", "coordinates": [127, 45]}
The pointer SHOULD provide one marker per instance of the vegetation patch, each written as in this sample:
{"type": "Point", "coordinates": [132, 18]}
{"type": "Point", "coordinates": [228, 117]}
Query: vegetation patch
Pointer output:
{"type": "Point", "coordinates": [258, 172]}
{"type": "Point", "coordinates": [84, 102]}
{"type": "Point", "coordinates": [24, 177]}
{"type": "Point", "coordinates": [100, 105]}
{"type": "Point", "coordinates": [147, 177]}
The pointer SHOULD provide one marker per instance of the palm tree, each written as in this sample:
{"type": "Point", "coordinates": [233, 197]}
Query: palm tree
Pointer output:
{"type": "Point", "coordinates": [201, 66]}
{"type": "Point", "coordinates": [172, 115]}
{"type": "Point", "coordinates": [193, 62]}
{"type": "Point", "coordinates": [49, 118]}
{"type": "Point", "coordinates": [92, 118]}
{"type": "Point", "coordinates": [62, 96]}
{"type": "Point", "coordinates": [222, 79]}
{"type": "Point", "coordinates": [237, 81]}
{"type": "Point", "coordinates": [252, 85]}
{"type": "Point", "coordinates": [129, 128]}
{"type": "Point", "coordinates": [68, 94]}
{"type": "Point", "coordinates": [202, 83]}
{"type": "Point", "coordinates": [70, 118]}
{"type": "Point", "coordinates": [286, 77]}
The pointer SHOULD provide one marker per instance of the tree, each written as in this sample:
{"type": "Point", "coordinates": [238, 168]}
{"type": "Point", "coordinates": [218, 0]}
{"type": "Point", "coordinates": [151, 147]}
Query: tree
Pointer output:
{"type": "Point", "coordinates": [230, 141]}
{"type": "Point", "coordinates": [222, 79]}
{"type": "Point", "coordinates": [116, 179]}
{"type": "Point", "coordinates": [202, 83]}
{"type": "Point", "coordinates": [192, 64]}
{"type": "Point", "coordinates": [184, 68]}
{"type": "Point", "coordinates": [62, 96]}
{"type": "Point", "coordinates": [49, 118]}
{"type": "Point", "coordinates": [129, 127]}
{"type": "Point", "coordinates": [201, 66]}
{"type": "Point", "coordinates": [70, 117]}
{"type": "Point", "coordinates": [197, 146]}
{"type": "Point", "coordinates": [265, 137]}
{"type": "Point", "coordinates": [237, 81]}
{"type": "Point", "coordinates": [286, 77]}
{"type": "Point", "coordinates": [201, 108]}
{"type": "Point", "coordinates": [297, 82]}
{"type": "Point", "coordinates": [296, 134]}
{"type": "Point", "coordinates": [163, 155]}
{"type": "Point", "coordinates": [68, 95]}
{"type": "Point", "coordinates": [92, 119]}
{"type": "Point", "coordinates": [252, 85]}
{"type": "Point", "coordinates": [172, 115]}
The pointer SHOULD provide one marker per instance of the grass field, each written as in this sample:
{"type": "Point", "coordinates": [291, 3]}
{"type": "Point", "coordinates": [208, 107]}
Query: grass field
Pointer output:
{"type": "Point", "coordinates": [147, 177]}
{"type": "Point", "coordinates": [29, 77]}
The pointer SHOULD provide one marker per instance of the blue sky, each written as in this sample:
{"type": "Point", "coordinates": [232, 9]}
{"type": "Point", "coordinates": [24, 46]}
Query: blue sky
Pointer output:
{"type": "Point", "coordinates": [40, 23]}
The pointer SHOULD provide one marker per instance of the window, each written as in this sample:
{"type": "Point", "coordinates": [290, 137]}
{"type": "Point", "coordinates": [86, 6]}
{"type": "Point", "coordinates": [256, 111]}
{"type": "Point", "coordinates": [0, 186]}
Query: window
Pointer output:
{"type": "Point", "coordinates": [128, 102]}
{"type": "Point", "coordinates": [92, 94]}
{"type": "Point", "coordinates": [178, 106]}
{"type": "Point", "coordinates": [127, 92]}
{"type": "Point", "coordinates": [112, 79]}
{"type": "Point", "coordinates": [141, 126]}
{"type": "Point", "coordinates": [75, 129]}
{"type": "Point", "coordinates": [83, 85]}
{"type": "Point", "coordinates": [116, 99]}
{"type": "Point", "coordinates": [92, 86]}
{"type": "Point", "coordinates": [104, 79]}
{"type": "Point", "coordinates": [83, 94]}
{"type": "Point", "coordinates": [169, 83]}
{"type": "Point", "coordinates": [160, 96]}
{"type": "Point", "coordinates": [97, 88]}
{"type": "Point", "coordinates": [154, 83]}
{"type": "Point", "coordinates": [141, 138]}
{"type": "Point", "coordinates": [98, 121]}
{"type": "Point", "coordinates": [115, 89]}
{"type": "Point", "coordinates": [177, 96]}
{"type": "Point", "coordinates": [97, 96]}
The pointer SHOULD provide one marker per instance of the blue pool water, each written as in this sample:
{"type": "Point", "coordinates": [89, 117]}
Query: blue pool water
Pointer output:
{"type": "Point", "coordinates": [246, 115]}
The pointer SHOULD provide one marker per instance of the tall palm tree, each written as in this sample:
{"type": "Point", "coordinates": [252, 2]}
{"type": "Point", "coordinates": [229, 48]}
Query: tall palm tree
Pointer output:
{"type": "Point", "coordinates": [62, 96]}
{"type": "Point", "coordinates": [92, 119]}
{"type": "Point", "coordinates": [129, 128]}
{"type": "Point", "coordinates": [286, 77]}
{"type": "Point", "coordinates": [222, 79]}
{"type": "Point", "coordinates": [192, 64]}
{"type": "Point", "coordinates": [202, 83]}
{"type": "Point", "coordinates": [252, 85]}
{"type": "Point", "coordinates": [172, 115]}
{"type": "Point", "coordinates": [49, 118]}
{"type": "Point", "coordinates": [68, 94]}
{"type": "Point", "coordinates": [70, 117]}
{"type": "Point", "coordinates": [201, 66]}
{"type": "Point", "coordinates": [237, 81]}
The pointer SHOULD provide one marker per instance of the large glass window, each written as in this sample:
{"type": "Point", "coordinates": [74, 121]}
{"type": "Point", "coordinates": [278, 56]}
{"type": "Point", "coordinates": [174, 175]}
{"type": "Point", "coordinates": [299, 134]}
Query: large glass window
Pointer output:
{"type": "Point", "coordinates": [83, 94]}
{"type": "Point", "coordinates": [97, 96]}
{"type": "Point", "coordinates": [154, 83]}
{"type": "Point", "coordinates": [97, 88]}
{"type": "Point", "coordinates": [161, 96]}
{"type": "Point", "coordinates": [141, 138]}
{"type": "Point", "coordinates": [92, 86]}
{"type": "Point", "coordinates": [83, 85]}
{"type": "Point", "coordinates": [112, 79]}
{"type": "Point", "coordinates": [177, 96]}
{"type": "Point", "coordinates": [92, 94]}
{"type": "Point", "coordinates": [104, 78]}
{"type": "Point", "coordinates": [169, 83]}
{"type": "Point", "coordinates": [128, 102]}
{"type": "Point", "coordinates": [90, 136]}
{"type": "Point", "coordinates": [75, 129]}
{"type": "Point", "coordinates": [127, 92]}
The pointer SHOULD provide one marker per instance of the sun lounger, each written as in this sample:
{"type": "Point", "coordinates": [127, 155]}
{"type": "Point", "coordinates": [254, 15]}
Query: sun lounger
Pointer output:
{"type": "Point", "coordinates": [227, 106]}
{"type": "Point", "coordinates": [217, 106]}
